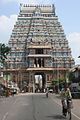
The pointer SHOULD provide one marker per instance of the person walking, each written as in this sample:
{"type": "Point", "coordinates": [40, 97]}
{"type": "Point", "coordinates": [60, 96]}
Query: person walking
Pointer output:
{"type": "Point", "coordinates": [47, 91]}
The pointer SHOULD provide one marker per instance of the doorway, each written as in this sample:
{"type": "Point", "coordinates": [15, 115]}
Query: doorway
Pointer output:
{"type": "Point", "coordinates": [40, 82]}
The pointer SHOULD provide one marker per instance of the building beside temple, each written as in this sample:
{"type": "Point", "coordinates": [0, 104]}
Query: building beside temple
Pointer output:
{"type": "Point", "coordinates": [75, 71]}
{"type": "Point", "coordinates": [38, 48]}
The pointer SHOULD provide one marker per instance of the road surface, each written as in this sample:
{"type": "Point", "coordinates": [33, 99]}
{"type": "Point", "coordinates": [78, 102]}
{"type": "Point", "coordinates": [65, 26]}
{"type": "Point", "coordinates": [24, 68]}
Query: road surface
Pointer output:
{"type": "Point", "coordinates": [31, 107]}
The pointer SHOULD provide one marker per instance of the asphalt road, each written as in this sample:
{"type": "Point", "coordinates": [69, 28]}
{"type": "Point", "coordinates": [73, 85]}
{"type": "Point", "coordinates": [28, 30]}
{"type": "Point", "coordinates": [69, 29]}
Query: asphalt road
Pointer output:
{"type": "Point", "coordinates": [31, 107]}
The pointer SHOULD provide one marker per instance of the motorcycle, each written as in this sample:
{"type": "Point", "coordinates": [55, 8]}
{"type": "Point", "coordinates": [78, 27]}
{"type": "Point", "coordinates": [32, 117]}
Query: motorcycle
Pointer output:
{"type": "Point", "coordinates": [67, 106]}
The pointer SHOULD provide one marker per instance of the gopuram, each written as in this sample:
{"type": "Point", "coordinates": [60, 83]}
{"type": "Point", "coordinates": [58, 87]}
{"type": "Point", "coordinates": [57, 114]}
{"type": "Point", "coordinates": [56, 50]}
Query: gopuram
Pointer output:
{"type": "Point", "coordinates": [38, 48]}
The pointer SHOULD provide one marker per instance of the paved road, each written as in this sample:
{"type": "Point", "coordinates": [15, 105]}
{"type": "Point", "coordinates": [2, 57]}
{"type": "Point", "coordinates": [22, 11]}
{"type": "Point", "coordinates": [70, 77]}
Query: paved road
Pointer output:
{"type": "Point", "coordinates": [30, 107]}
{"type": "Point", "coordinates": [76, 105]}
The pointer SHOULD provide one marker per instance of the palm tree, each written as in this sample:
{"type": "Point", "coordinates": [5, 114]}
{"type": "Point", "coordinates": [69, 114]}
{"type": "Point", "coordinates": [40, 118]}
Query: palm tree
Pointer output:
{"type": "Point", "coordinates": [4, 50]}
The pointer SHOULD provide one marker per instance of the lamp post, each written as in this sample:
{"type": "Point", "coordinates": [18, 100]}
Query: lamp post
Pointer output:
{"type": "Point", "coordinates": [57, 74]}
{"type": "Point", "coordinates": [64, 71]}
{"type": "Point", "coordinates": [56, 68]}
{"type": "Point", "coordinates": [52, 65]}
{"type": "Point", "coordinates": [6, 74]}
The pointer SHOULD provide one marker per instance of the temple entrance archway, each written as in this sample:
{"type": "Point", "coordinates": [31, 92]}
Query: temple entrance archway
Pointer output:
{"type": "Point", "coordinates": [40, 81]}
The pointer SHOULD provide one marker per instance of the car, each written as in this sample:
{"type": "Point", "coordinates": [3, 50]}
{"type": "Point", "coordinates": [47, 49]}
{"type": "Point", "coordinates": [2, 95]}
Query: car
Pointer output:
{"type": "Point", "coordinates": [75, 92]}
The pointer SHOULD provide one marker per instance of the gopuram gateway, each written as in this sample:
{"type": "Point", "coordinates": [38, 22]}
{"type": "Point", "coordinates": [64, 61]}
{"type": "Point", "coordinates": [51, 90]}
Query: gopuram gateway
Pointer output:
{"type": "Point", "coordinates": [40, 52]}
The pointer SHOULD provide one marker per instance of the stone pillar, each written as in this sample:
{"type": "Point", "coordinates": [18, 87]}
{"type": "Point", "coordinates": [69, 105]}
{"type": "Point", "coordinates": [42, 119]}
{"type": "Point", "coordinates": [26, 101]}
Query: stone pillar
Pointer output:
{"type": "Point", "coordinates": [33, 83]}
{"type": "Point", "coordinates": [46, 81]}
{"type": "Point", "coordinates": [29, 86]}
{"type": "Point", "coordinates": [37, 62]}
{"type": "Point", "coordinates": [41, 62]}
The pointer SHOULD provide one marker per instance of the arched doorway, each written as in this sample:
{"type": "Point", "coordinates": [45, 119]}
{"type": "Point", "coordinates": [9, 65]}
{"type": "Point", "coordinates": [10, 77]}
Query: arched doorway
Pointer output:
{"type": "Point", "coordinates": [40, 81]}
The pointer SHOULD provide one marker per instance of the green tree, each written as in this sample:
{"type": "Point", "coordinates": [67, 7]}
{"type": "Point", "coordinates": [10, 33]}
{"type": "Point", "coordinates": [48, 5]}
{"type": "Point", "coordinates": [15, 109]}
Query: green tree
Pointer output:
{"type": "Point", "coordinates": [71, 76]}
{"type": "Point", "coordinates": [4, 50]}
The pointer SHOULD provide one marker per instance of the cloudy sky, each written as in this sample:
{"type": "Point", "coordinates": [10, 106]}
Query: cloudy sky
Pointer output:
{"type": "Point", "coordinates": [66, 10]}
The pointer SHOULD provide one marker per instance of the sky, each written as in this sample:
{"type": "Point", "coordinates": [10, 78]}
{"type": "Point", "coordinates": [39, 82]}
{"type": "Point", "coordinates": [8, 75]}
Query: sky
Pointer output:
{"type": "Point", "coordinates": [66, 10]}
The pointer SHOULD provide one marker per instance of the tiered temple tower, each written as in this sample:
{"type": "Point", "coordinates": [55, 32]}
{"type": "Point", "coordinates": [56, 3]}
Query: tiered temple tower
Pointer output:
{"type": "Point", "coordinates": [38, 47]}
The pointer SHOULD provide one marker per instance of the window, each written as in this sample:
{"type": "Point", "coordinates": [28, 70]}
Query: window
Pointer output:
{"type": "Point", "coordinates": [39, 51]}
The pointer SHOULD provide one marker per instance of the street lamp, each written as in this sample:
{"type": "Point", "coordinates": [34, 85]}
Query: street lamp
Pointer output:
{"type": "Point", "coordinates": [64, 66]}
{"type": "Point", "coordinates": [55, 60]}
{"type": "Point", "coordinates": [57, 75]}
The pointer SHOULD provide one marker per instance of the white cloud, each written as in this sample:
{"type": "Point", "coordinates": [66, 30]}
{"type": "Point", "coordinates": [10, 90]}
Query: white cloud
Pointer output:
{"type": "Point", "coordinates": [74, 43]}
{"type": "Point", "coordinates": [6, 26]}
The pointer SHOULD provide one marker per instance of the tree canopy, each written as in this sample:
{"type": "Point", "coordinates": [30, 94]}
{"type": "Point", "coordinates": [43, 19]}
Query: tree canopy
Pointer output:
{"type": "Point", "coordinates": [4, 50]}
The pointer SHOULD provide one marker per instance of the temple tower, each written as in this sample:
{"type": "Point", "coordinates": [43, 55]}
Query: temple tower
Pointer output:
{"type": "Point", "coordinates": [38, 47]}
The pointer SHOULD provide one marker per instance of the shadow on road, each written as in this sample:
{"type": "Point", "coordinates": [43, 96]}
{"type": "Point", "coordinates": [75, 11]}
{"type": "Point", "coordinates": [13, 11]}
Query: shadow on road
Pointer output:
{"type": "Point", "coordinates": [59, 117]}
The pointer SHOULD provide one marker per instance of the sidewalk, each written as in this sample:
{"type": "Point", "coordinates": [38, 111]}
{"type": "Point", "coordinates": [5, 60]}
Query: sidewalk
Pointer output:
{"type": "Point", "coordinates": [76, 104]}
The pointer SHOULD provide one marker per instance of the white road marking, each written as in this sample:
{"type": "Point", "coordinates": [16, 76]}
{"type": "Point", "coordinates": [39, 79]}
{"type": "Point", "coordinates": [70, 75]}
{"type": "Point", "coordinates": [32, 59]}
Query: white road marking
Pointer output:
{"type": "Point", "coordinates": [15, 101]}
{"type": "Point", "coordinates": [76, 116]}
{"type": "Point", "coordinates": [4, 117]}
{"type": "Point", "coordinates": [72, 112]}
